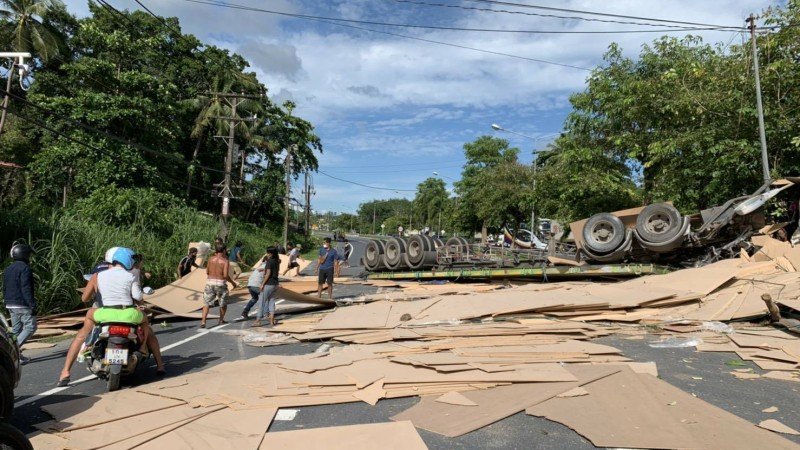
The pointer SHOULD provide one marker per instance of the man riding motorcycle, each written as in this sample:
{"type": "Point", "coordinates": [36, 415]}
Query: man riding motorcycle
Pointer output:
{"type": "Point", "coordinates": [120, 291]}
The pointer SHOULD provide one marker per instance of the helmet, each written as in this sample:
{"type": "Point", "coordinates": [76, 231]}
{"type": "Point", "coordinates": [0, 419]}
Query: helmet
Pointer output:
{"type": "Point", "coordinates": [109, 256]}
{"type": "Point", "coordinates": [21, 252]}
{"type": "Point", "coordinates": [122, 256]}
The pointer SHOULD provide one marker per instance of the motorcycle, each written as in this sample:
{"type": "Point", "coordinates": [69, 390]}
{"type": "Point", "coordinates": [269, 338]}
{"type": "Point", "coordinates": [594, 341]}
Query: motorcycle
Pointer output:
{"type": "Point", "coordinates": [114, 350]}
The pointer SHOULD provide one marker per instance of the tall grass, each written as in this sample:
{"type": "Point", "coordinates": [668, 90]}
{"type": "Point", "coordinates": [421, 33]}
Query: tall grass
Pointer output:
{"type": "Point", "coordinates": [68, 245]}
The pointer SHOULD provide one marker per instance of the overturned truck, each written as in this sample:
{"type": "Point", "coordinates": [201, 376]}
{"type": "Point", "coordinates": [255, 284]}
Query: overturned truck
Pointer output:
{"type": "Point", "coordinates": [659, 232]}
{"type": "Point", "coordinates": [656, 233]}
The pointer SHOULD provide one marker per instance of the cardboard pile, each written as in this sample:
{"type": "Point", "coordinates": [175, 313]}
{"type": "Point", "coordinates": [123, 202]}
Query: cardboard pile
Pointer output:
{"type": "Point", "coordinates": [473, 359]}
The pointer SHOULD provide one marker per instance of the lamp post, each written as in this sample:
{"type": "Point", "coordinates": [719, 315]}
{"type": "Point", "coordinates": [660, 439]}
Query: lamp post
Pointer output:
{"type": "Point", "coordinates": [535, 152]}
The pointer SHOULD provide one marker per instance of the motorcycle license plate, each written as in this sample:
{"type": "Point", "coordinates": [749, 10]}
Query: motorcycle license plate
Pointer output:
{"type": "Point", "coordinates": [116, 356]}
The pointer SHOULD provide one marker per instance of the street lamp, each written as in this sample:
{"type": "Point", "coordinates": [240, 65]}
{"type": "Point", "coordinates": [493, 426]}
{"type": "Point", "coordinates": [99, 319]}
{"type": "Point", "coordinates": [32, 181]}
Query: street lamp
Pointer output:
{"type": "Point", "coordinates": [535, 152]}
{"type": "Point", "coordinates": [443, 176]}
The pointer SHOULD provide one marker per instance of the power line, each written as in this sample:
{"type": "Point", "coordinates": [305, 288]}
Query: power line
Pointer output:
{"type": "Point", "coordinates": [449, 44]}
{"type": "Point", "coordinates": [365, 185]}
{"type": "Point", "coordinates": [431, 27]}
{"type": "Point", "coordinates": [602, 14]}
{"type": "Point", "coordinates": [554, 16]}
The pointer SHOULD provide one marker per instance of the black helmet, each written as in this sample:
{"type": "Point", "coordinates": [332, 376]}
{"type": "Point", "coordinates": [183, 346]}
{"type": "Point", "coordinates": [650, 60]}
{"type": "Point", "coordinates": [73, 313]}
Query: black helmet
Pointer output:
{"type": "Point", "coordinates": [21, 252]}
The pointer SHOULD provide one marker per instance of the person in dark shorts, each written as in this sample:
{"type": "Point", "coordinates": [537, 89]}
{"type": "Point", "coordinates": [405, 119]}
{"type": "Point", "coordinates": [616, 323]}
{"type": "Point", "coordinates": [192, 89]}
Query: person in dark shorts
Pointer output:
{"type": "Point", "coordinates": [294, 255]}
{"type": "Point", "coordinates": [326, 264]}
{"type": "Point", "coordinates": [269, 287]}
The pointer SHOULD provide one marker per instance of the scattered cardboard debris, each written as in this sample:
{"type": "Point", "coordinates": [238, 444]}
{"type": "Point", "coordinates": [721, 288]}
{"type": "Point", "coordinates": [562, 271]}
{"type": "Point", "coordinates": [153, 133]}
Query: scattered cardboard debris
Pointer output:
{"type": "Point", "coordinates": [386, 436]}
{"type": "Point", "coordinates": [771, 409]}
{"type": "Point", "coordinates": [456, 398]}
{"type": "Point", "coordinates": [774, 425]}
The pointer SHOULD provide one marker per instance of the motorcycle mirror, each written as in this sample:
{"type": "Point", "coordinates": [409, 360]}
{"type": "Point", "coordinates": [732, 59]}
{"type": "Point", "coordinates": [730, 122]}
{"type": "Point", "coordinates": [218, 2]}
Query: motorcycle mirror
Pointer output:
{"type": "Point", "coordinates": [148, 290]}
{"type": "Point", "coordinates": [87, 276]}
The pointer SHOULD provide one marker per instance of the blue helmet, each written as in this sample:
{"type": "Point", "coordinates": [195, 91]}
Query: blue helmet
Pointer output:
{"type": "Point", "coordinates": [121, 255]}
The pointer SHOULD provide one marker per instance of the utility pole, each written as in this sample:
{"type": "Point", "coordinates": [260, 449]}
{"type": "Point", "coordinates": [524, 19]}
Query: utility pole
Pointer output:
{"type": "Point", "coordinates": [18, 60]}
{"type": "Point", "coordinates": [307, 192]}
{"type": "Point", "coordinates": [373, 219]}
{"type": "Point", "coordinates": [287, 167]}
{"type": "Point", "coordinates": [226, 193]}
{"type": "Point", "coordinates": [761, 132]}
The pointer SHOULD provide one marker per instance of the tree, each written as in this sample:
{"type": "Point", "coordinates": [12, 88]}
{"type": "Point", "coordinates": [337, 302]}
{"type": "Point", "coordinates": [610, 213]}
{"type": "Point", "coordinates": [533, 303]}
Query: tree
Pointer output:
{"type": "Point", "coordinates": [378, 211]}
{"type": "Point", "coordinates": [430, 200]}
{"type": "Point", "coordinates": [575, 182]}
{"type": "Point", "coordinates": [482, 155]}
{"type": "Point", "coordinates": [506, 196]}
{"type": "Point", "coordinates": [27, 29]}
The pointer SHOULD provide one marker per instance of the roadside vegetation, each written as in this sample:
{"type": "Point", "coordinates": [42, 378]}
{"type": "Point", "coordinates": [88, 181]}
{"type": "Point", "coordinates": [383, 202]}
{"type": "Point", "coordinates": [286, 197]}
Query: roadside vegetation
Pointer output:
{"type": "Point", "coordinates": [114, 144]}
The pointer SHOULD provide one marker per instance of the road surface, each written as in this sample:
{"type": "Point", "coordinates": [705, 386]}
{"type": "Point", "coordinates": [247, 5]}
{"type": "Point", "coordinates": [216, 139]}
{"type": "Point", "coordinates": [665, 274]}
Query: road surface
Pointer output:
{"type": "Point", "coordinates": [189, 349]}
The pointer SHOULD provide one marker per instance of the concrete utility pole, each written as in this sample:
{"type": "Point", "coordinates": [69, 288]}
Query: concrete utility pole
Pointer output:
{"type": "Point", "coordinates": [226, 193]}
{"type": "Point", "coordinates": [307, 193]}
{"type": "Point", "coordinates": [287, 166]}
{"type": "Point", "coordinates": [762, 135]}
{"type": "Point", "coordinates": [18, 60]}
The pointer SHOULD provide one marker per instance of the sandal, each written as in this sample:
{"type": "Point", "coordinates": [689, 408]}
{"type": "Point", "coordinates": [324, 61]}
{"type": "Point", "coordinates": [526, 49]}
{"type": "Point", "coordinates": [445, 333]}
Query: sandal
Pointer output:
{"type": "Point", "coordinates": [161, 373]}
{"type": "Point", "coordinates": [256, 324]}
{"type": "Point", "coordinates": [202, 324]}
{"type": "Point", "coordinates": [64, 382]}
{"type": "Point", "coordinates": [221, 322]}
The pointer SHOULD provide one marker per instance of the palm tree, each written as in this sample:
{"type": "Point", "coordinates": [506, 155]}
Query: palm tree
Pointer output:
{"type": "Point", "coordinates": [28, 32]}
{"type": "Point", "coordinates": [211, 107]}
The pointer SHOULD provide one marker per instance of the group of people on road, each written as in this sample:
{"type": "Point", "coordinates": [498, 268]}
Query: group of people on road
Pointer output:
{"type": "Point", "coordinates": [114, 290]}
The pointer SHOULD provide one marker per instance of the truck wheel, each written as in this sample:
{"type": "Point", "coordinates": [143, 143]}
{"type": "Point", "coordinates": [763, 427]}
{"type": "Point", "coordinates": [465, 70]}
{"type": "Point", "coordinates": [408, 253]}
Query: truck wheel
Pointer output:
{"type": "Point", "coordinates": [12, 438]}
{"type": "Point", "coordinates": [659, 223]}
{"type": "Point", "coordinates": [6, 395]}
{"type": "Point", "coordinates": [603, 233]}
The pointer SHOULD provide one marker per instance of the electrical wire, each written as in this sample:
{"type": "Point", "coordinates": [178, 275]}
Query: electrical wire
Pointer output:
{"type": "Point", "coordinates": [449, 44]}
{"type": "Point", "coordinates": [431, 27]}
{"type": "Point", "coordinates": [365, 185]}
{"type": "Point", "coordinates": [602, 14]}
{"type": "Point", "coordinates": [553, 16]}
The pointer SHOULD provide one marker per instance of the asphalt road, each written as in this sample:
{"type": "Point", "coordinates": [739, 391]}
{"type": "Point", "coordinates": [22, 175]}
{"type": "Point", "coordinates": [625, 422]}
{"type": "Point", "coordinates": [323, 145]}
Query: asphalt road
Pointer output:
{"type": "Point", "coordinates": [190, 349]}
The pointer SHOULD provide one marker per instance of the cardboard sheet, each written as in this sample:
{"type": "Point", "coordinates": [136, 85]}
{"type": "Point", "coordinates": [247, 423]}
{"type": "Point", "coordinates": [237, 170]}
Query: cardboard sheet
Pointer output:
{"type": "Point", "coordinates": [87, 411]}
{"type": "Point", "coordinates": [384, 436]}
{"type": "Point", "coordinates": [493, 404]}
{"type": "Point", "coordinates": [671, 417]}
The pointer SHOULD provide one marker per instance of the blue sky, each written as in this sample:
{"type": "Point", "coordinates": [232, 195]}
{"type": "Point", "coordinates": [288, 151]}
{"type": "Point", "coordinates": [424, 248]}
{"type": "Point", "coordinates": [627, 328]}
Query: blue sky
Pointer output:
{"type": "Point", "coordinates": [391, 111]}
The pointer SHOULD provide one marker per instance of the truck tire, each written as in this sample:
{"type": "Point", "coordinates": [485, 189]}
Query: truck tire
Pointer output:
{"type": "Point", "coordinates": [6, 395]}
{"type": "Point", "coordinates": [12, 438]}
{"type": "Point", "coordinates": [659, 223]}
{"type": "Point", "coordinates": [603, 233]}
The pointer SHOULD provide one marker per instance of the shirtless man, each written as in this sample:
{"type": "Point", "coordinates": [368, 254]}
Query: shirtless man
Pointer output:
{"type": "Point", "coordinates": [216, 289]}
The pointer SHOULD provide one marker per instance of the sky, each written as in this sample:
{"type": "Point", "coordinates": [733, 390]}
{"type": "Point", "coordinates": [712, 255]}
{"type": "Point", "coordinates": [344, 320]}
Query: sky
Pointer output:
{"type": "Point", "coordinates": [391, 110]}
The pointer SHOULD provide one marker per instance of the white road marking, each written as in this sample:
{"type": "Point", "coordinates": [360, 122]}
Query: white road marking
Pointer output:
{"type": "Point", "coordinates": [56, 390]}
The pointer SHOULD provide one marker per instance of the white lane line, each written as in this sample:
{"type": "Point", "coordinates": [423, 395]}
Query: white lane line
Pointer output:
{"type": "Point", "coordinates": [56, 390]}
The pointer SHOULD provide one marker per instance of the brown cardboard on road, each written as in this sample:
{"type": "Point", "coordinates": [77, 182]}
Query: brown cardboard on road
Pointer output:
{"type": "Point", "coordinates": [493, 404]}
{"type": "Point", "coordinates": [383, 436]}
{"type": "Point", "coordinates": [646, 412]}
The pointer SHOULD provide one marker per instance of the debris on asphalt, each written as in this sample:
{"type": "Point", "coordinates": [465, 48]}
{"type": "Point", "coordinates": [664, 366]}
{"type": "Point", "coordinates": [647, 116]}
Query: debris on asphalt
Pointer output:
{"type": "Point", "coordinates": [774, 425]}
{"type": "Point", "coordinates": [475, 354]}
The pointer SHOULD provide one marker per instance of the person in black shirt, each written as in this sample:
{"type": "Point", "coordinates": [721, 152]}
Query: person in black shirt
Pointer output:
{"type": "Point", "coordinates": [269, 287]}
{"type": "Point", "coordinates": [186, 264]}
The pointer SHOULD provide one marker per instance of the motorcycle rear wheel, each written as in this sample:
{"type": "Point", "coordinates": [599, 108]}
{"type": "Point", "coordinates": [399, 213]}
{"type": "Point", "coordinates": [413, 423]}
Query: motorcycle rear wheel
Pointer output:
{"type": "Point", "coordinates": [114, 380]}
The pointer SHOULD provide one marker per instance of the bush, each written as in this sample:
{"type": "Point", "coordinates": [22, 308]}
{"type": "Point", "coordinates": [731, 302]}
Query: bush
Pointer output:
{"type": "Point", "coordinates": [69, 242]}
{"type": "Point", "coordinates": [137, 207]}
